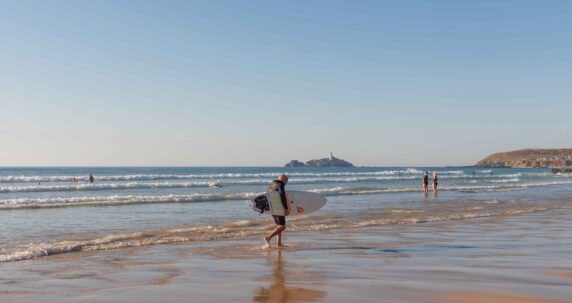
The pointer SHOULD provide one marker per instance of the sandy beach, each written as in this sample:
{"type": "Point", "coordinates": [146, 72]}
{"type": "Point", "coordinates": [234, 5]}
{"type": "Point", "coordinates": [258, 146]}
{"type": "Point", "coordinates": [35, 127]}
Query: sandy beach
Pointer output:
{"type": "Point", "coordinates": [413, 151]}
{"type": "Point", "coordinates": [497, 259]}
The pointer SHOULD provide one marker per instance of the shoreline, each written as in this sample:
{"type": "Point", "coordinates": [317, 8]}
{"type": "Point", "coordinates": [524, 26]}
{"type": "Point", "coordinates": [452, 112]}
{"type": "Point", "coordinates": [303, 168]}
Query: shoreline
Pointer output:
{"type": "Point", "coordinates": [520, 258]}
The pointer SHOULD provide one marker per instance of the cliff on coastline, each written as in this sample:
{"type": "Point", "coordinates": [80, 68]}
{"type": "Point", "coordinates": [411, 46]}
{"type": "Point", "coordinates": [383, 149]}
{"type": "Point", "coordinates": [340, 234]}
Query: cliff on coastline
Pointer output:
{"type": "Point", "coordinates": [529, 158]}
{"type": "Point", "coordinates": [325, 162]}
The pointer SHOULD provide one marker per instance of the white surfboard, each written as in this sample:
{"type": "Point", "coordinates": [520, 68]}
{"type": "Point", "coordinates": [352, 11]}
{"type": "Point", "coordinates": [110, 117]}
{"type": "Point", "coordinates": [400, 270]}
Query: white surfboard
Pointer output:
{"type": "Point", "coordinates": [299, 203]}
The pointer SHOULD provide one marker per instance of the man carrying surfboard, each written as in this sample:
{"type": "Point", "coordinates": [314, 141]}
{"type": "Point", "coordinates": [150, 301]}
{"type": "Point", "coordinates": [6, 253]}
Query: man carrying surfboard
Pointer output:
{"type": "Point", "coordinates": [278, 185]}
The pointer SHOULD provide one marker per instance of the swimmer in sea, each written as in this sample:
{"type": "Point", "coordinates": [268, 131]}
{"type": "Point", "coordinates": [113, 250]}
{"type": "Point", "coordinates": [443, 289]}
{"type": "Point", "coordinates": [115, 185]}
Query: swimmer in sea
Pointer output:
{"type": "Point", "coordinates": [425, 181]}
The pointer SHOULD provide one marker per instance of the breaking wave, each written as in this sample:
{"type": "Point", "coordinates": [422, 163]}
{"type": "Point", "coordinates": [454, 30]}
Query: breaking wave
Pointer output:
{"type": "Point", "coordinates": [152, 177]}
{"type": "Point", "coordinates": [153, 185]}
{"type": "Point", "coordinates": [224, 182]}
{"type": "Point", "coordinates": [433, 212]}
{"type": "Point", "coordinates": [114, 200]}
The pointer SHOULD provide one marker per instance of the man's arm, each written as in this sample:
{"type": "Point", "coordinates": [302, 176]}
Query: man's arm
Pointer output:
{"type": "Point", "coordinates": [282, 193]}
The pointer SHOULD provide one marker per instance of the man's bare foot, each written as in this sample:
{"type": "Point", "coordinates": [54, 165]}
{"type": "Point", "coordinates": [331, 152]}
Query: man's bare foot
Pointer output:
{"type": "Point", "coordinates": [267, 245]}
{"type": "Point", "coordinates": [280, 245]}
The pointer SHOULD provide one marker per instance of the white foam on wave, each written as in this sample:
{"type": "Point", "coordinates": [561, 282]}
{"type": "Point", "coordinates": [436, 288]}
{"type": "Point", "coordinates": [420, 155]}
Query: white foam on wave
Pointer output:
{"type": "Point", "coordinates": [516, 175]}
{"type": "Point", "coordinates": [432, 212]}
{"type": "Point", "coordinates": [114, 200]}
{"type": "Point", "coordinates": [454, 172]}
{"type": "Point", "coordinates": [343, 191]}
{"type": "Point", "coordinates": [504, 185]}
{"type": "Point", "coordinates": [507, 175]}
{"type": "Point", "coordinates": [150, 177]}
{"type": "Point", "coordinates": [99, 186]}
{"type": "Point", "coordinates": [511, 180]}
{"type": "Point", "coordinates": [154, 185]}
{"type": "Point", "coordinates": [134, 239]}
{"type": "Point", "coordinates": [410, 172]}
{"type": "Point", "coordinates": [561, 175]}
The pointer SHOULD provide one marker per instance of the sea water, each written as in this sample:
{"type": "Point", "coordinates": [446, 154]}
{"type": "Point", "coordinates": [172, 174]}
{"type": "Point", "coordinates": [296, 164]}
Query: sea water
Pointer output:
{"type": "Point", "coordinates": [42, 212]}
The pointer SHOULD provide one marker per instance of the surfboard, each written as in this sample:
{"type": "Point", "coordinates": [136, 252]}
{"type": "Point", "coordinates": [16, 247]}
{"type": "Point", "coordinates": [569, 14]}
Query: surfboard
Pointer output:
{"type": "Point", "coordinates": [299, 203]}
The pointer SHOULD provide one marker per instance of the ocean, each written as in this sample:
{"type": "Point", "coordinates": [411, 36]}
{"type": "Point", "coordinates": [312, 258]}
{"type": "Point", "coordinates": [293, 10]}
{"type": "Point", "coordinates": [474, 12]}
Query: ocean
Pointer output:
{"type": "Point", "coordinates": [44, 213]}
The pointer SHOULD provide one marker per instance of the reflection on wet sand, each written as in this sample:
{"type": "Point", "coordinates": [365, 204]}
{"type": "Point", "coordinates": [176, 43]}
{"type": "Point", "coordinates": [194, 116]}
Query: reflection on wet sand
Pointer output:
{"type": "Point", "coordinates": [279, 290]}
{"type": "Point", "coordinates": [493, 297]}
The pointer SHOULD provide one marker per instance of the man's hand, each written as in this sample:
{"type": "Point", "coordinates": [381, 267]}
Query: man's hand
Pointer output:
{"type": "Point", "coordinates": [286, 212]}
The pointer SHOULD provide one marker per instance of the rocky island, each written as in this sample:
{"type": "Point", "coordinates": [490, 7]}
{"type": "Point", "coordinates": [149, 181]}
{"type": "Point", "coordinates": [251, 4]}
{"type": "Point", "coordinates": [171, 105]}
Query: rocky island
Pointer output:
{"type": "Point", "coordinates": [529, 158]}
{"type": "Point", "coordinates": [331, 161]}
{"type": "Point", "coordinates": [295, 163]}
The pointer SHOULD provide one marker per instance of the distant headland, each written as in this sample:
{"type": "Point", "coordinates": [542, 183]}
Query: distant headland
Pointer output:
{"type": "Point", "coordinates": [330, 161]}
{"type": "Point", "coordinates": [529, 158]}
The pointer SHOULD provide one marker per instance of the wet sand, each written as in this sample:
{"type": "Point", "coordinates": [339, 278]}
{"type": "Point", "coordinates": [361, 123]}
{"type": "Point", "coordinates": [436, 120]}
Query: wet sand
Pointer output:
{"type": "Point", "coordinates": [498, 259]}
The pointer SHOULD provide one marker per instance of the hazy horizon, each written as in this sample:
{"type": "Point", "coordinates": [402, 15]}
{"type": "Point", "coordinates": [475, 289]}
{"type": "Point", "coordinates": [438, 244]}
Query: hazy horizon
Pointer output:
{"type": "Point", "coordinates": [260, 83]}
{"type": "Point", "coordinates": [230, 166]}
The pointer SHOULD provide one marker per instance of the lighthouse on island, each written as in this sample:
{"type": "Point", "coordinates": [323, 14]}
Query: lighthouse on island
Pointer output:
{"type": "Point", "coordinates": [330, 161]}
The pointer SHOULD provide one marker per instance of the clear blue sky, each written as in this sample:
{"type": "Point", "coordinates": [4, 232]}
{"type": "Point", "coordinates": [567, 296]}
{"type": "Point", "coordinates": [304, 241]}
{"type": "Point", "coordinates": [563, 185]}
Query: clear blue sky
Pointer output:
{"type": "Point", "coordinates": [251, 83]}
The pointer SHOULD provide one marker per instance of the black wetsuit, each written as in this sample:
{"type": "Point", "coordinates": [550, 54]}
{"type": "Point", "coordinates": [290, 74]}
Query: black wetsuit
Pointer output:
{"type": "Point", "coordinates": [278, 186]}
{"type": "Point", "coordinates": [435, 181]}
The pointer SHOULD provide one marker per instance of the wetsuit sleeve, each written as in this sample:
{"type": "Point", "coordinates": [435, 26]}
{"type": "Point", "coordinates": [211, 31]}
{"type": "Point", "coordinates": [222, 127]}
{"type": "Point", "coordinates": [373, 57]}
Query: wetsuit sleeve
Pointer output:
{"type": "Point", "coordinates": [282, 193]}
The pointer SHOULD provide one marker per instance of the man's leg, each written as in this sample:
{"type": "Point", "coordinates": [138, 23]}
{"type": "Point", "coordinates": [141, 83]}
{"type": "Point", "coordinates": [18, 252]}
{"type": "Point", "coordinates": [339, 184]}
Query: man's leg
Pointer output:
{"type": "Point", "coordinates": [281, 225]}
{"type": "Point", "coordinates": [276, 232]}
{"type": "Point", "coordinates": [279, 238]}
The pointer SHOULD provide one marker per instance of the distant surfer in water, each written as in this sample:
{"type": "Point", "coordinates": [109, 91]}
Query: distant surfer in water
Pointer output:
{"type": "Point", "coordinates": [91, 178]}
{"type": "Point", "coordinates": [278, 185]}
{"type": "Point", "coordinates": [215, 185]}
{"type": "Point", "coordinates": [425, 180]}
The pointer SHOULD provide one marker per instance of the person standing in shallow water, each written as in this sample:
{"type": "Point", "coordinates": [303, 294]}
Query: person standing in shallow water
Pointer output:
{"type": "Point", "coordinates": [425, 181]}
{"type": "Point", "coordinates": [91, 178]}
{"type": "Point", "coordinates": [278, 185]}
{"type": "Point", "coordinates": [435, 182]}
